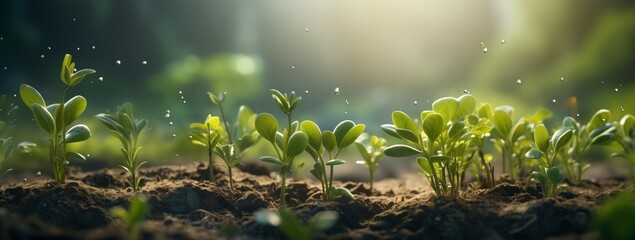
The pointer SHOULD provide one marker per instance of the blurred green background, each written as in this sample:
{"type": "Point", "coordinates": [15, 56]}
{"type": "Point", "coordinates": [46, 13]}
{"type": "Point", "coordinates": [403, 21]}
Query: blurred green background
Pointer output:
{"type": "Point", "coordinates": [572, 57]}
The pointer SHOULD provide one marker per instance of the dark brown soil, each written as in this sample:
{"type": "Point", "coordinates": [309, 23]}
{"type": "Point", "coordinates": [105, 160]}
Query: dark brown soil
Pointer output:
{"type": "Point", "coordinates": [184, 205]}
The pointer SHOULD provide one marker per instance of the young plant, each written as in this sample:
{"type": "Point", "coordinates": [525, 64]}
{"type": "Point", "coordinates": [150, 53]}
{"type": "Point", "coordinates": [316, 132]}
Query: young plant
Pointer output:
{"type": "Point", "coordinates": [6, 110]}
{"type": "Point", "coordinates": [127, 129]}
{"type": "Point", "coordinates": [597, 131]}
{"type": "Point", "coordinates": [546, 152]}
{"type": "Point", "coordinates": [344, 134]}
{"type": "Point", "coordinates": [371, 152]}
{"type": "Point", "coordinates": [208, 134]}
{"type": "Point", "coordinates": [483, 170]}
{"type": "Point", "coordinates": [7, 150]}
{"type": "Point", "coordinates": [625, 136]}
{"type": "Point", "coordinates": [134, 216]}
{"type": "Point", "coordinates": [441, 141]}
{"type": "Point", "coordinates": [289, 143]}
{"type": "Point", "coordinates": [54, 119]}
{"type": "Point", "coordinates": [292, 227]}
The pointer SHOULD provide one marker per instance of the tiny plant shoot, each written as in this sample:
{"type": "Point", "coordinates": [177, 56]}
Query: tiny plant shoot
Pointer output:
{"type": "Point", "coordinates": [371, 152]}
{"type": "Point", "coordinates": [7, 150]}
{"type": "Point", "coordinates": [292, 227]}
{"type": "Point", "coordinates": [207, 134]}
{"type": "Point", "coordinates": [546, 152]}
{"type": "Point", "coordinates": [134, 216]}
{"type": "Point", "coordinates": [127, 129]}
{"type": "Point", "coordinates": [344, 134]}
{"type": "Point", "coordinates": [6, 111]}
{"type": "Point", "coordinates": [289, 143]}
{"type": "Point", "coordinates": [626, 138]}
{"type": "Point", "coordinates": [480, 126]}
{"type": "Point", "coordinates": [54, 119]}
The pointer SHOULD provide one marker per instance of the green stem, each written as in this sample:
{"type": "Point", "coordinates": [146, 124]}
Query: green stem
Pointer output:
{"type": "Point", "coordinates": [372, 173]}
{"type": "Point", "coordinates": [222, 114]}
{"type": "Point", "coordinates": [283, 175]}
{"type": "Point", "coordinates": [62, 168]}
{"type": "Point", "coordinates": [231, 180]}
{"type": "Point", "coordinates": [330, 183]}
{"type": "Point", "coordinates": [210, 166]}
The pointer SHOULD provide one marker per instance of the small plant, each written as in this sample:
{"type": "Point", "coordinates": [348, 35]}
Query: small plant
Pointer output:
{"type": "Point", "coordinates": [547, 152]}
{"type": "Point", "coordinates": [289, 143]}
{"type": "Point", "coordinates": [54, 119]}
{"type": "Point", "coordinates": [7, 150]}
{"type": "Point", "coordinates": [442, 139]}
{"type": "Point", "coordinates": [344, 134]}
{"type": "Point", "coordinates": [614, 218]}
{"type": "Point", "coordinates": [625, 136]}
{"type": "Point", "coordinates": [134, 216]}
{"type": "Point", "coordinates": [371, 152]}
{"type": "Point", "coordinates": [480, 127]}
{"type": "Point", "coordinates": [597, 131]}
{"type": "Point", "coordinates": [6, 110]}
{"type": "Point", "coordinates": [292, 227]}
{"type": "Point", "coordinates": [127, 129]}
{"type": "Point", "coordinates": [207, 134]}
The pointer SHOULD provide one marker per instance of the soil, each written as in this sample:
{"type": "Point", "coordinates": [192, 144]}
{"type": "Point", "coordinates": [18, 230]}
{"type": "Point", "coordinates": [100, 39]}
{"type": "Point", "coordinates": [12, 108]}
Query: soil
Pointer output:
{"type": "Point", "coordinates": [185, 205]}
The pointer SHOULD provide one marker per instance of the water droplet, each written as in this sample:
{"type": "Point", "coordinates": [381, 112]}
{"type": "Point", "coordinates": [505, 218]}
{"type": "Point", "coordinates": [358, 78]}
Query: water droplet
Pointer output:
{"type": "Point", "coordinates": [42, 56]}
{"type": "Point", "coordinates": [307, 91]}
{"type": "Point", "coordinates": [87, 155]}
{"type": "Point", "coordinates": [415, 102]}
{"type": "Point", "coordinates": [224, 93]}
{"type": "Point", "coordinates": [484, 50]}
{"type": "Point", "coordinates": [49, 47]}
{"type": "Point", "coordinates": [482, 44]}
{"type": "Point", "coordinates": [577, 114]}
{"type": "Point", "coordinates": [25, 179]}
{"type": "Point", "coordinates": [167, 115]}
{"type": "Point", "coordinates": [93, 47]}
{"type": "Point", "coordinates": [176, 155]}
{"type": "Point", "coordinates": [182, 97]}
{"type": "Point", "coordinates": [38, 174]}
{"type": "Point", "coordinates": [1, 38]}
{"type": "Point", "coordinates": [74, 19]}
{"type": "Point", "coordinates": [337, 91]}
{"type": "Point", "coordinates": [616, 89]}
{"type": "Point", "coordinates": [101, 79]}
{"type": "Point", "coordinates": [184, 102]}
{"type": "Point", "coordinates": [74, 69]}
{"type": "Point", "coordinates": [622, 109]}
{"type": "Point", "coordinates": [144, 62]}
{"type": "Point", "coordinates": [190, 137]}
{"type": "Point", "coordinates": [118, 62]}
{"type": "Point", "coordinates": [561, 79]}
{"type": "Point", "coordinates": [171, 123]}
{"type": "Point", "coordinates": [603, 120]}
{"type": "Point", "coordinates": [602, 82]}
{"type": "Point", "coordinates": [174, 135]}
{"type": "Point", "coordinates": [346, 101]}
{"type": "Point", "coordinates": [77, 48]}
{"type": "Point", "coordinates": [306, 30]}
{"type": "Point", "coordinates": [554, 100]}
{"type": "Point", "coordinates": [503, 41]}
{"type": "Point", "coordinates": [345, 112]}
{"type": "Point", "coordinates": [167, 110]}
{"type": "Point", "coordinates": [466, 91]}
{"type": "Point", "coordinates": [180, 92]}
{"type": "Point", "coordinates": [518, 82]}
{"type": "Point", "coordinates": [292, 67]}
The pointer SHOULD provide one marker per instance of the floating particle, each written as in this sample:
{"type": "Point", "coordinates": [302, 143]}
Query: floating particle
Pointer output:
{"type": "Point", "coordinates": [5, 68]}
{"type": "Point", "coordinates": [101, 79]}
{"type": "Point", "coordinates": [306, 91]}
{"type": "Point", "coordinates": [415, 102]}
{"type": "Point", "coordinates": [603, 120]}
{"type": "Point", "coordinates": [337, 91]}
{"type": "Point", "coordinates": [622, 109]}
{"type": "Point", "coordinates": [184, 102]}
{"type": "Point", "coordinates": [144, 62]}
{"type": "Point", "coordinates": [42, 56]}
{"type": "Point", "coordinates": [1, 38]}
{"type": "Point", "coordinates": [74, 19]}
{"type": "Point", "coordinates": [503, 41]}
{"type": "Point", "coordinates": [38, 174]}
{"type": "Point", "coordinates": [518, 82]}
{"type": "Point", "coordinates": [190, 137]}
{"type": "Point", "coordinates": [25, 179]}
{"type": "Point", "coordinates": [224, 93]}
{"type": "Point", "coordinates": [174, 135]}
{"type": "Point", "coordinates": [554, 100]}
{"type": "Point", "coordinates": [346, 101]}
{"type": "Point", "coordinates": [345, 112]}
{"type": "Point", "coordinates": [180, 92]}
{"type": "Point", "coordinates": [577, 114]}
{"type": "Point", "coordinates": [176, 155]}
{"type": "Point", "coordinates": [292, 67]}
{"type": "Point", "coordinates": [77, 48]}
{"type": "Point", "coordinates": [306, 30]}
{"type": "Point", "coordinates": [118, 62]}
{"type": "Point", "coordinates": [484, 50]}
{"type": "Point", "coordinates": [171, 123]}
{"type": "Point", "coordinates": [49, 47]}
{"type": "Point", "coordinates": [482, 44]}
{"type": "Point", "coordinates": [167, 115]}
{"type": "Point", "coordinates": [616, 89]}
{"type": "Point", "coordinates": [167, 110]}
{"type": "Point", "coordinates": [182, 97]}
{"type": "Point", "coordinates": [93, 47]}
{"type": "Point", "coordinates": [87, 155]}
{"type": "Point", "coordinates": [466, 91]}
{"type": "Point", "coordinates": [561, 79]}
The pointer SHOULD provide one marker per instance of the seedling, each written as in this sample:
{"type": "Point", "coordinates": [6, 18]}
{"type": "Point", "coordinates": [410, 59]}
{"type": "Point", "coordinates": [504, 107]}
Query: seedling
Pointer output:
{"type": "Point", "coordinates": [480, 128]}
{"type": "Point", "coordinates": [54, 119]}
{"type": "Point", "coordinates": [207, 134]}
{"type": "Point", "coordinates": [127, 129]}
{"type": "Point", "coordinates": [6, 110]}
{"type": "Point", "coordinates": [625, 136]}
{"type": "Point", "coordinates": [597, 131]}
{"type": "Point", "coordinates": [134, 216]}
{"type": "Point", "coordinates": [344, 134]}
{"type": "Point", "coordinates": [292, 227]}
{"type": "Point", "coordinates": [371, 152]}
{"type": "Point", "coordinates": [7, 150]}
{"type": "Point", "coordinates": [546, 152]}
{"type": "Point", "coordinates": [441, 140]}
{"type": "Point", "coordinates": [289, 143]}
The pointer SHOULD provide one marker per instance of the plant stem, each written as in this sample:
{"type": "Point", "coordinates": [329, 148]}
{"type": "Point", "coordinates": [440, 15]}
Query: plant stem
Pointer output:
{"type": "Point", "coordinates": [222, 114]}
{"type": "Point", "coordinates": [372, 173]}
{"type": "Point", "coordinates": [210, 166]}
{"type": "Point", "coordinates": [283, 175]}
{"type": "Point", "coordinates": [231, 180]}
{"type": "Point", "coordinates": [330, 184]}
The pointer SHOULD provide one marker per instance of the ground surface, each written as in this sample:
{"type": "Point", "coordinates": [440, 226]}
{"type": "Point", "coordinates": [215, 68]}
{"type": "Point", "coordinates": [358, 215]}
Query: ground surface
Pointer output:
{"type": "Point", "coordinates": [184, 205]}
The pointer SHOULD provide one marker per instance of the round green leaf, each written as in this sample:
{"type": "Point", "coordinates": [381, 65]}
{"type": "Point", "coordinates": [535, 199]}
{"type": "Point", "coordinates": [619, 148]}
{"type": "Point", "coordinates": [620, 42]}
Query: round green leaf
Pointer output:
{"type": "Point", "coordinates": [407, 135]}
{"type": "Point", "coordinates": [447, 107]}
{"type": "Point", "coordinates": [30, 96]}
{"type": "Point", "coordinates": [502, 122]}
{"type": "Point", "coordinates": [433, 126]}
{"type": "Point", "coordinates": [627, 122]}
{"type": "Point", "coordinates": [341, 130]}
{"type": "Point", "coordinates": [561, 138]}
{"type": "Point", "coordinates": [533, 154]}
{"type": "Point", "coordinates": [541, 137]}
{"type": "Point", "coordinates": [467, 104]}
{"type": "Point", "coordinates": [271, 160]}
{"type": "Point", "coordinates": [77, 133]}
{"type": "Point", "coordinates": [400, 150]}
{"type": "Point", "coordinates": [324, 220]}
{"type": "Point", "coordinates": [78, 76]}
{"type": "Point", "coordinates": [73, 108]}
{"type": "Point", "coordinates": [267, 126]}
{"type": "Point", "coordinates": [390, 130]}
{"type": "Point", "coordinates": [600, 118]}
{"type": "Point", "coordinates": [43, 118]}
{"type": "Point", "coordinates": [403, 121]}
{"type": "Point", "coordinates": [334, 162]}
{"type": "Point", "coordinates": [352, 135]}
{"type": "Point", "coordinates": [314, 133]}
{"type": "Point", "coordinates": [329, 141]}
{"type": "Point", "coordinates": [297, 143]}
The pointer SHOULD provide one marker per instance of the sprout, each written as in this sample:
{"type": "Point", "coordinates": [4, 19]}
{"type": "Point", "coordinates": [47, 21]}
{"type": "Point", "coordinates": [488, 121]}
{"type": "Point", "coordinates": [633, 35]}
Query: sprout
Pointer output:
{"type": "Point", "coordinates": [371, 152]}
{"type": "Point", "coordinates": [547, 149]}
{"type": "Point", "coordinates": [134, 216]}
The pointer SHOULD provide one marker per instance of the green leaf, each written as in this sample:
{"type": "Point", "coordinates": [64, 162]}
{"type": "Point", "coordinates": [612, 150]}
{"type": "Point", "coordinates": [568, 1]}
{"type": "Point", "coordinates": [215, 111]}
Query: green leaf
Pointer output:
{"type": "Point", "coordinates": [78, 76]}
{"type": "Point", "coordinates": [627, 122]}
{"type": "Point", "coordinates": [73, 108]}
{"type": "Point", "coordinates": [43, 118]}
{"type": "Point", "coordinates": [352, 135]}
{"type": "Point", "coordinates": [542, 179]}
{"type": "Point", "coordinates": [314, 133]}
{"type": "Point", "coordinates": [440, 159]}
{"type": "Point", "coordinates": [407, 135]}
{"type": "Point", "coordinates": [267, 126]}
{"type": "Point", "coordinates": [433, 126]}
{"type": "Point", "coordinates": [390, 130]}
{"type": "Point", "coordinates": [328, 140]}
{"type": "Point", "coordinates": [503, 122]}
{"type": "Point", "coordinates": [541, 137]}
{"type": "Point", "coordinates": [467, 104]}
{"type": "Point", "coordinates": [342, 192]}
{"type": "Point", "coordinates": [533, 154]}
{"type": "Point", "coordinates": [297, 143]}
{"type": "Point", "coordinates": [30, 96]}
{"type": "Point", "coordinates": [272, 160]}
{"type": "Point", "coordinates": [334, 162]}
{"type": "Point", "coordinates": [424, 165]}
{"type": "Point", "coordinates": [602, 135]}
{"type": "Point", "coordinates": [518, 130]}
{"type": "Point", "coordinates": [341, 130]}
{"type": "Point", "coordinates": [554, 175]}
{"type": "Point", "coordinates": [400, 150]}
{"type": "Point", "coordinates": [317, 171]}
{"type": "Point", "coordinates": [561, 138]}
{"type": "Point", "coordinates": [65, 73]}
{"type": "Point", "coordinates": [457, 130]}
{"type": "Point", "coordinates": [403, 121]}
{"type": "Point", "coordinates": [75, 155]}
{"type": "Point", "coordinates": [77, 133]}
{"type": "Point", "coordinates": [447, 107]}
{"type": "Point", "coordinates": [216, 99]}
{"type": "Point", "coordinates": [600, 118]}
{"type": "Point", "coordinates": [324, 220]}
{"type": "Point", "coordinates": [362, 151]}
{"type": "Point", "coordinates": [485, 111]}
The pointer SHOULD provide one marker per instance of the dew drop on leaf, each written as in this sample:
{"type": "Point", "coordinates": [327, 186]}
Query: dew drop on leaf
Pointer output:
{"type": "Point", "coordinates": [484, 50]}
{"type": "Point", "coordinates": [518, 82]}
{"type": "Point", "coordinates": [118, 62]}
{"type": "Point", "coordinates": [337, 91]}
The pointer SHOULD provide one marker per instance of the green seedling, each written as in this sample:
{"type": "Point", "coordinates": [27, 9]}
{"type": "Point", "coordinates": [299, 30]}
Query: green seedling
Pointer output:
{"type": "Point", "coordinates": [512, 139]}
{"type": "Point", "coordinates": [292, 227]}
{"type": "Point", "coordinates": [480, 128]}
{"type": "Point", "coordinates": [441, 140]}
{"type": "Point", "coordinates": [127, 129]}
{"type": "Point", "coordinates": [614, 218]}
{"type": "Point", "coordinates": [208, 134]}
{"type": "Point", "coordinates": [6, 110]}
{"type": "Point", "coordinates": [597, 131]}
{"type": "Point", "coordinates": [289, 143]}
{"type": "Point", "coordinates": [546, 153]}
{"type": "Point", "coordinates": [333, 142]}
{"type": "Point", "coordinates": [371, 151]}
{"type": "Point", "coordinates": [7, 150]}
{"type": "Point", "coordinates": [625, 136]}
{"type": "Point", "coordinates": [54, 119]}
{"type": "Point", "coordinates": [134, 216]}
